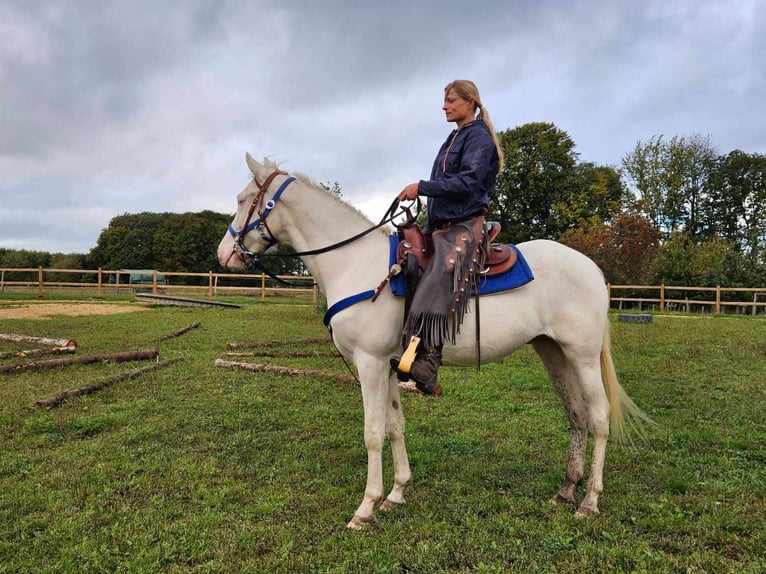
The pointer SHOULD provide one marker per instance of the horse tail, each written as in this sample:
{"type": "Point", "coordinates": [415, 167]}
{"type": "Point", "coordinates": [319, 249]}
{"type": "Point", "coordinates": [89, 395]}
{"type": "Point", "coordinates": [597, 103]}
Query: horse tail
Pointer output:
{"type": "Point", "coordinates": [625, 418]}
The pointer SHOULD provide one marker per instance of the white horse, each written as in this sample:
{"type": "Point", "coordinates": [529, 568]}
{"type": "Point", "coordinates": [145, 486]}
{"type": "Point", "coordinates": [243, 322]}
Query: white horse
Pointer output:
{"type": "Point", "coordinates": [562, 313]}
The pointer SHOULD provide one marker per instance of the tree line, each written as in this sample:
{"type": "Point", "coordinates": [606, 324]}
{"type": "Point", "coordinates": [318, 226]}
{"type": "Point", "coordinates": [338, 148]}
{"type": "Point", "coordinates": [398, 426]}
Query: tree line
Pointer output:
{"type": "Point", "coordinates": [675, 212]}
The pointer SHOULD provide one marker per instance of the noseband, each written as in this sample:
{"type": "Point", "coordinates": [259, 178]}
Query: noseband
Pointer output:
{"type": "Point", "coordinates": [262, 209]}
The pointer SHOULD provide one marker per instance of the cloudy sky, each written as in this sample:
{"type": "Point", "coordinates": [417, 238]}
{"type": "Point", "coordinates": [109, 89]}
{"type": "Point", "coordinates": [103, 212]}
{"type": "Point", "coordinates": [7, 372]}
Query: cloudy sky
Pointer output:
{"type": "Point", "coordinates": [110, 107]}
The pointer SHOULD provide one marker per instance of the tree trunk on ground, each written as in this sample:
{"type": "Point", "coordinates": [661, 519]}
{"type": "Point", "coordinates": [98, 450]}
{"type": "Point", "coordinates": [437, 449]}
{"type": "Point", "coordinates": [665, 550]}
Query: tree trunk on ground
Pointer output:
{"type": "Point", "coordinates": [233, 346]}
{"type": "Point", "coordinates": [40, 340]}
{"type": "Point", "coordinates": [284, 370]}
{"type": "Point", "coordinates": [180, 331]}
{"type": "Point", "coordinates": [54, 363]}
{"type": "Point", "coordinates": [55, 400]}
{"type": "Point", "coordinates": [38, 352]}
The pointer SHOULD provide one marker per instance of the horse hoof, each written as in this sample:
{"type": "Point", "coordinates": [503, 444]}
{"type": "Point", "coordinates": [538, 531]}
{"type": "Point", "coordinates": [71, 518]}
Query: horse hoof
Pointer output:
{"type": "Point", "coordinates": [586, 512]}
{"type": "Point", "coordinates": [361, 523]}
{"type": "Point", "coordinates": [387, 505]}
{"type": "Point", "coordinates": [559, 500]}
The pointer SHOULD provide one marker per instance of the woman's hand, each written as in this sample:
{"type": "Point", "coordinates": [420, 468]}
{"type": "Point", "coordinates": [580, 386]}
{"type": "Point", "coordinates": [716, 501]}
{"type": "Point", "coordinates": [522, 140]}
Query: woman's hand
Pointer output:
{"type": "Point", "coordinates": [409, 192]}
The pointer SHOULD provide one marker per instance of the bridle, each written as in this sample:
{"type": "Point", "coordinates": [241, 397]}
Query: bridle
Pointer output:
{"type": "Point", "coordinates": [263, 208]}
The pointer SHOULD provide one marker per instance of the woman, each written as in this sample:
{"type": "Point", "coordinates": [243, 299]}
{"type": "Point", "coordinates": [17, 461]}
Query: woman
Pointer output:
{"type": "Point", "coordinates": [462, 178]}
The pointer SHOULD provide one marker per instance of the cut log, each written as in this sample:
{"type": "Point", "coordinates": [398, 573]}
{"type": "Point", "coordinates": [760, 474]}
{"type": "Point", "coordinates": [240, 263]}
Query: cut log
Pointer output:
{"type": "Point", "coordinates": [275, 343]}
{"type": "Point", "coordinates": [122, 356]}
{"type": "Point", "coordinates": [284, 354]}
{"type": "Point", "coordinates": [284, 370]}
{"type": "Point", "coordinates": [40, 340]}
{"type": "Point", "coordinates": [56, 400]}
{"type": "Point", "coordinates": [180, 332]}
{"type": "Point", "coordinates": [38, 352]}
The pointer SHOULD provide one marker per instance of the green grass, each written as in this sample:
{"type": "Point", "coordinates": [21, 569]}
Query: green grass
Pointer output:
{"type": "Point", "coordinates": [194, 468]}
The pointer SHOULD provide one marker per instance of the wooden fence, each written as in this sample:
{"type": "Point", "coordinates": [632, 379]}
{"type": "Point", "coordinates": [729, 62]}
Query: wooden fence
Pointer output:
{"type": "Point", "coordinates": [715, 300]}
{"type": "Point", "coordinates": [689, 299]}
{"type": "Point", "coordinates": [102, 281]}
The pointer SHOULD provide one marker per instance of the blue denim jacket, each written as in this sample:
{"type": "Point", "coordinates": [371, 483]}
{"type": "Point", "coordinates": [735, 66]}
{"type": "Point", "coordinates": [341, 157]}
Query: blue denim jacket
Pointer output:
{"type": "Point", "coordinates": [463, 176]}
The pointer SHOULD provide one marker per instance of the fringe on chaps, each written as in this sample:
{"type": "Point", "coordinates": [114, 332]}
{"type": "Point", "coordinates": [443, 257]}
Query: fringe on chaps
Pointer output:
{"type": "Point", "coordinates": [450, 278]}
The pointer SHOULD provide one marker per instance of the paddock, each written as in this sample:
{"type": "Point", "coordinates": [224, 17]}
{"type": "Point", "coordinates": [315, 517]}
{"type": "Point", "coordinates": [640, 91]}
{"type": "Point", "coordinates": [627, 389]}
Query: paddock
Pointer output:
{"type": "Point", "coordinates": [197, 468]}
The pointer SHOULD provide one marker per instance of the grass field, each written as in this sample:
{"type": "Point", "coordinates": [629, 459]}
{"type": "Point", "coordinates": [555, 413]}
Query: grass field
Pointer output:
{"type": "Point", "coordinates": [195, 468]}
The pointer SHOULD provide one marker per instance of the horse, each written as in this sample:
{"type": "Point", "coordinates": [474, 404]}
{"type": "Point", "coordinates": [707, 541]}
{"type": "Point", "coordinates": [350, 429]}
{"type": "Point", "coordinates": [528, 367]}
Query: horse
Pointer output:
{"type": "Point", "coordinates": [562, 313]}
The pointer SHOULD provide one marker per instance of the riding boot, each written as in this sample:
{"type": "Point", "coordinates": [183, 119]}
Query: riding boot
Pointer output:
{"type": "Point", "coordinates": [425, 369]}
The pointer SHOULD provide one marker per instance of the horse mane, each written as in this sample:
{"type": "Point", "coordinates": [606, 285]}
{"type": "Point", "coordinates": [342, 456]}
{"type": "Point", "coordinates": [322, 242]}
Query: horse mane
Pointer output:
{"type": "Point", "coordinates": [270, 164]}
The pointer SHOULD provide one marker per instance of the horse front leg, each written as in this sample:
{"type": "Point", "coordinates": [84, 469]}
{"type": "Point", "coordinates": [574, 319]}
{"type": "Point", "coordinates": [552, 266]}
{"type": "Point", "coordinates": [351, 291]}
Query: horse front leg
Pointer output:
{"type": "Point", "coordinates": [395, 433]}
{"type": "Point", "coordinates": [374, 376]}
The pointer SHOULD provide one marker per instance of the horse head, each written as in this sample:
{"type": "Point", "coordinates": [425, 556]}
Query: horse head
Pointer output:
{"type": "Point", "coordinates": [249, 234]}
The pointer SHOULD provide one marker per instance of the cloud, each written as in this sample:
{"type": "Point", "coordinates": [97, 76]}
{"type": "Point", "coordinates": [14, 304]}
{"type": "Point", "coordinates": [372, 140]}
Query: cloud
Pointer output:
{"type": "Point", "coordinates": [115, 107]}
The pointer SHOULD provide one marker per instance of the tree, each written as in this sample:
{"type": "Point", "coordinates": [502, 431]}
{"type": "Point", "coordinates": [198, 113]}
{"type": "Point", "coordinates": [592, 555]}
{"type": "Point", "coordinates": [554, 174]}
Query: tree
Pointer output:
{"type": "Point", "coordinates": [539, 171]}
{"type": "Point", "coordinates": [543, 190]}
{"type": "Point", "coordinates": [187, 242]}
{"type": "Point", "coordinates": [682, 261]}
{"type": "Point", "coordinates": [623, 248]}
{"type": "Point", "coordinates": [127, 242]}
{"type": "Point", "coordinates": [23, 258]}
{"type": "Point", "coordinates": [736, 207]}
{"type": "Point", "coordinates": [670, 177]}
{"type": "Point", "coordinates": [597, 194]}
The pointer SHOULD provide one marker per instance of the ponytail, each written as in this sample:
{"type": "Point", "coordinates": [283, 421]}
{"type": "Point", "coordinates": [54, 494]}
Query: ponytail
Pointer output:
{"type": "Point", "coordinates": [484, 116]}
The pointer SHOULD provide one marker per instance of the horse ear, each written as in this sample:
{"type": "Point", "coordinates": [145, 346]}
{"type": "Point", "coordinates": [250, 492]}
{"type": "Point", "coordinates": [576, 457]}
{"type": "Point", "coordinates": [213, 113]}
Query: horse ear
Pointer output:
{"type": "Point", "coordinates": [254, 166]}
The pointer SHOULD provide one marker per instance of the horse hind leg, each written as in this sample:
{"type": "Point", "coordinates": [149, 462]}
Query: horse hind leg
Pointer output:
{"type": "Point", "coordinates": [564, 380]}
{"type": "Point", "coordinates": [598, 421]}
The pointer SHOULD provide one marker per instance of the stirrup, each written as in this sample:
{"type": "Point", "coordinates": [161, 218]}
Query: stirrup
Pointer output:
{"type": "Point", "coordinates": [405, 363]}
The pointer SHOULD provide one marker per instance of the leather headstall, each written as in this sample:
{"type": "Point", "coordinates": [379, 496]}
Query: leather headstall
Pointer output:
{"type": "Point", "coordinates": [262, 208]}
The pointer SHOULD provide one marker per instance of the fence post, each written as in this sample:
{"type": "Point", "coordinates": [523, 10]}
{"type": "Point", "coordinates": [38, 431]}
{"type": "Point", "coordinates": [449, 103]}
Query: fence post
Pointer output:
{"type": "Point", "coordinates": [100, 284]}
{"type": "Point", "coordinates": [662, 297]}
{"type": "Point", "coordinates": [717, 299]}
{"type": "Point", "coordinates": [40, 282]}
{"type": "Point", "coordinates": [315, 294]}
{"type": "Point", "coordinates": [209, 285]}
{"type": "Point", "coordinates": [263, 286]}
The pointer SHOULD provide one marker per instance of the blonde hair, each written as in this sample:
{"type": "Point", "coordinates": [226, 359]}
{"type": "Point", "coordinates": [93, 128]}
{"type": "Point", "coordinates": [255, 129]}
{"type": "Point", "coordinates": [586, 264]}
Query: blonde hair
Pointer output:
{"type": "Point", "coordinates": [467, 90]}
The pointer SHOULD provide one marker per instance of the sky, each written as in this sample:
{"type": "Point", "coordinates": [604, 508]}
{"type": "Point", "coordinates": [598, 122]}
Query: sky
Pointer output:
{"type": "Point", "coordinates": [110, 107]}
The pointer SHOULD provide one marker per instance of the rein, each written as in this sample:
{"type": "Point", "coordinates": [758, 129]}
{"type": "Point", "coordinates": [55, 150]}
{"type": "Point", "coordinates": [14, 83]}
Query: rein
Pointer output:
{"type": "Point", "coordinates": [263, 211]}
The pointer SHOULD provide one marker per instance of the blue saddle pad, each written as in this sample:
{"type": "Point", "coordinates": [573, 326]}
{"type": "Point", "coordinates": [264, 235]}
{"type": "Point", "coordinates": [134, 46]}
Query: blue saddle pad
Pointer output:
{"type": "Point", "coordinates": [518, 275]}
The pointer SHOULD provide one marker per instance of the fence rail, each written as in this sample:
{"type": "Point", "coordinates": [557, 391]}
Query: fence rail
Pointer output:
{"type": "Point", "coordinates": [715, 300]}
{"type": "Point", "coordinates": [689, 299]}
{"type": "Point", "coordinates": [114, 281]}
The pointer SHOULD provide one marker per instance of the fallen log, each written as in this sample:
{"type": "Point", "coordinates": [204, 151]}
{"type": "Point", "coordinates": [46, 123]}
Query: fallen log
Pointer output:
{"type": "Point", "coordinates": [284, 354]}
{"type": "Point", "coordinates": [277, 342]}
{"type": "Point", "coordinates": [179, 332]}
{"type": "Point", "coordinates": [284, 370]}
{"type": "Point", "coordinates": [56, 400]}
{"type": "Point", "coordinates": [54, 363]}
{"type": "Point", "coordinates": [40, 340]}
{"type": "Point", "coordinates": [38, 352]}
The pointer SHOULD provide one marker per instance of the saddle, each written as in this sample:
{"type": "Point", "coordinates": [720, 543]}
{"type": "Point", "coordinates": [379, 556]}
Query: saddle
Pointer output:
{"type": "Point", "coordinates": [414, 244]}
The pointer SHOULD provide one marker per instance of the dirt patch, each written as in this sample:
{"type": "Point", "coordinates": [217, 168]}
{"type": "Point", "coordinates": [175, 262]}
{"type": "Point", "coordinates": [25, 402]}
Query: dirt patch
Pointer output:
{"type": "Point", "coordinates": [48, 310]}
